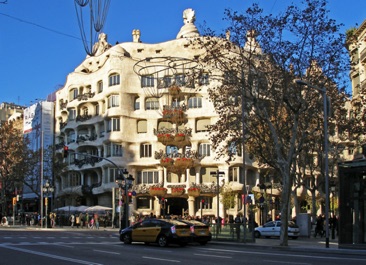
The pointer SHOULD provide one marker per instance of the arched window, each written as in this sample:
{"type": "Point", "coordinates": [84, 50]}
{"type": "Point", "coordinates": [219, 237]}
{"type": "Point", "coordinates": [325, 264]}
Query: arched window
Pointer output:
{"type": "Point", "coordinates": [137, 103]}
{"type": "Point", "coordinates": [195, 102]}
{"type": "Point", "coordinates": [114, 79]}
{"type": "Point", "coordinates": [152, 104]}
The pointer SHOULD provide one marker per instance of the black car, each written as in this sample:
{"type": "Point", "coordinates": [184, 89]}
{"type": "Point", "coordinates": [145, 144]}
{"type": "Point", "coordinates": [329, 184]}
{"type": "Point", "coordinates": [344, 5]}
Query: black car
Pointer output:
{"type": "Point", "coordinates": [200, 231]}
{"type": "Point", "coordinates": [160, 231]}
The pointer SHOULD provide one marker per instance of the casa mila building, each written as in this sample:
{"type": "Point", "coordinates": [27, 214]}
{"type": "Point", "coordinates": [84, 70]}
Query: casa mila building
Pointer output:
{"type": "Point", "coordinates": [144, 109]}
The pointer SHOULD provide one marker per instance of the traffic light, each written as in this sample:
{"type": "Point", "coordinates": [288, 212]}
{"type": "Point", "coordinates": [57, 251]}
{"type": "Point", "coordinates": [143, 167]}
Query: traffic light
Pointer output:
{"type": "Point", "coordinates": [65, 151]}
{"type": "Point", "coordinates": [14, 201]}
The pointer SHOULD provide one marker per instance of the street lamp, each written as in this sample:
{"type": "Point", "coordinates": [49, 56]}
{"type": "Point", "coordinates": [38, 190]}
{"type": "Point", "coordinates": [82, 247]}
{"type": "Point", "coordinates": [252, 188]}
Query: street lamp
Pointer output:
{"type": "Point", "coordinates": [47, 189]}
{"type": "Point", "coordinates": [325, 113]}
{"type": "Point", "coordinates": [124, 183]}
{"type": "Point", "coordinates": [217, 173]}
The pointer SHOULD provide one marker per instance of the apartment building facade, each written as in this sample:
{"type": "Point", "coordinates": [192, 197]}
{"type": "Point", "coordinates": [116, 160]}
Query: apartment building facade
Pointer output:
{"type": "Point", "coordinates": [136, 106]}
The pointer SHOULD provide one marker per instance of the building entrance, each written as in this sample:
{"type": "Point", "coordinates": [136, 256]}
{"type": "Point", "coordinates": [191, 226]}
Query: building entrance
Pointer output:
{"type": "Point", "coordinates": [176, 206]}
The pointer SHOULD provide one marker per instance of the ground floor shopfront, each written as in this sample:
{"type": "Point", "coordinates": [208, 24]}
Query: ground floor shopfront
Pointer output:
{"type": "Point", "coordinates": [352, 204]}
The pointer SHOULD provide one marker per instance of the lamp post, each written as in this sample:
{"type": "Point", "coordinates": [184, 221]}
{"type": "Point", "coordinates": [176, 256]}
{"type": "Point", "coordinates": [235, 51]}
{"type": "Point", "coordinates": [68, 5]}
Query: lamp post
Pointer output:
{"type": "Point", "coordinates": [217, 173]}
{"type": "Point", "coordinates": [326, 169]}
{"type": "Point", "coordinates": [47, 189]}
{"type": "Point", "coordinates": [125, 183]}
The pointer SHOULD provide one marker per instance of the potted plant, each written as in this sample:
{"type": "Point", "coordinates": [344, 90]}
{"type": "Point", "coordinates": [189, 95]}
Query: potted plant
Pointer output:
{"type": "Point", "coordinates": [165, 138]}
{"type": "Point", "coordinates": [176, 191]}
{"type": "Point", "coordinates": [166, 162]}
{"type": "Point", "coordinates": [194, 191]}
{"type": "Point", "coordinates": [157, 191]}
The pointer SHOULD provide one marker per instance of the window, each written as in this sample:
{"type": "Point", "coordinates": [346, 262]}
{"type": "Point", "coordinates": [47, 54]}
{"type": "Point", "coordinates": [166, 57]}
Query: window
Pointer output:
{"type": "Point", "coordinates": [75, 179]}
{"type": "Point", "coordinates": [147, 81]}
{"type": "Point", "coordinates": [113, 125]}
{"type": "Point", "coordinates": [230, 77]}
{"type": "Point", "coordinates": [180, 80]}
{"type": "Point", "coordinates": [147, 177]}
{"type": "Point", "coordinates": [113, 101]}
{"type": "Point", "coordinates": [152, 104]}
{"type": "Point", "coordinates": [71, 137]}
{"type": "Point", "coordinates": [145, 150]}
{"type": "Point", "coordinates": [85, 111]}
{"type": "Point", "coordinates": [202, 125]}
{"type": "Point", "coordinates": [168, 81]}
{"type": "Point", "coordinates": [143, 202]}
{"type": "Point", "coordinates": [204, 149]}
{"type": "Point", "coordinates": [114, 149]}
{"type": "Point", "coordinates": [97, 109]}
{"type": "Point", "coordinates": [165, 124]}
{"type": "Point", "coordinates": [72, 114]}
{"type": "Point", "coordinates": [100, 86]}
{"type": "Point", "coordinates": [142, 126]}
{"type": "Point", "coordinates": [73, 94]}
{"type": "Point", "coordinates": [172, 150]}
{"type": "Point", "coordinates": [235, 174]}
{"type": "Point", "coordinates": [203, 79]}
{"type": "Point", "coordinates": [114, 79]}
{"type": "Point", "coordinates": [235, 149]}
{"type": "Point", "coordinates": [206, 204]}
{"type": "Point", "coordinates": [137, 103]}
{"type": "Point", "coordinates": [113, 174]}
{"type": "Point", "coordinates": [195, 102]}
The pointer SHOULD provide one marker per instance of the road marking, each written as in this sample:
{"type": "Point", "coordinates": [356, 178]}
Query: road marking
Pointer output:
{"type": "Point", "coordinates": [170, 260]}
{"type": "Point", "coordinates": [326, 255]}
{"type": "Point", "coordinates": [108, 252]}
{"type": "Point", "coordinates": [286, 262]}
{"type": "Point", "coordinates": [51, 255]}
{"type": "Point", "coordinates": [224, 257]}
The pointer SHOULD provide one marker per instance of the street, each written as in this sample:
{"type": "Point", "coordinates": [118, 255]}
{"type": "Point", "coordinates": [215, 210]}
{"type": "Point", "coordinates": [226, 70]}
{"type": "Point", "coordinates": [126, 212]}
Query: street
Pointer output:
{"type": "Point", "coordinates": [83, 246]}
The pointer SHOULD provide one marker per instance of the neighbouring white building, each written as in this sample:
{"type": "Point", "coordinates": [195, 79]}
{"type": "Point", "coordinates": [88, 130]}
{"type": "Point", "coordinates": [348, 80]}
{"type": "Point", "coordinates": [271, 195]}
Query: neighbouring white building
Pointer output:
{"type": "Point", "coordinates": [38, 127]}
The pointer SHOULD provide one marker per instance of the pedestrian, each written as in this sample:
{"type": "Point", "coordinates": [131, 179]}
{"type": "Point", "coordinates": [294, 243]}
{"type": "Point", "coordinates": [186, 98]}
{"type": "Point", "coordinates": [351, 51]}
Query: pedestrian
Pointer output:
{"type": "Point", "coordinates": [72, 220]}
{"type": "Point", "coordinates": [319, 226]}
{"type": "Point", "coordinates": [96, 221]}
{"type": "Point", "coordinates": [77, 221]}
{"type": "Point", "coordinates": [237, 226]}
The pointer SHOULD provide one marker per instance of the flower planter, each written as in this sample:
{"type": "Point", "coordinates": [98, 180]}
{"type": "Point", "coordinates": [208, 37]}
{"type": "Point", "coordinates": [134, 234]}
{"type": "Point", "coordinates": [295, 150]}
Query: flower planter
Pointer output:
{"type": "Point", "coordinates": [179, 138]}
{"type": "Point", "coordinates": [194, 193]}
{"type": "Point", "coordinates": [183, 163]}
{"type": "Point", "coordinates": [157, 192]}
{"type": "Point", "coordinates": [177, 192]}
{"type": "Point", "coordinates": [165, 139]}
{"type": "Point", "coordinates": [166, 162]}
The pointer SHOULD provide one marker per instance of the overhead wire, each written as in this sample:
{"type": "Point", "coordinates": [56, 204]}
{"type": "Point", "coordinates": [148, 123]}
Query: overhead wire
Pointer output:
{"type": "Point", "coordinates": [40, 26]}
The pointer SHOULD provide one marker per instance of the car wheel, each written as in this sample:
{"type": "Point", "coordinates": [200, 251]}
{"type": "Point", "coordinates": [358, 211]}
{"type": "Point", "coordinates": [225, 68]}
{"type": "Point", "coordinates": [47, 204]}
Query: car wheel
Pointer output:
{"type": "Point", "coordinates": [162, 241]}
{"type": "Point", "coordinates": [127, 239]}
{"type": "Point", "coordinates": [257, 234]}
{"type": "Point", "coordinates": [203, 243]}
{"type": "Point", "coordinates": [294, 237]}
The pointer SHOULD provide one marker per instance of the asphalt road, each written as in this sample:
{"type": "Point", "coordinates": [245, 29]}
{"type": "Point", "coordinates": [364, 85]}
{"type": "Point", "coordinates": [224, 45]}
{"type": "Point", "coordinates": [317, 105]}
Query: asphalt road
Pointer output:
{"type": "Point", "coordinates": [93, 247]}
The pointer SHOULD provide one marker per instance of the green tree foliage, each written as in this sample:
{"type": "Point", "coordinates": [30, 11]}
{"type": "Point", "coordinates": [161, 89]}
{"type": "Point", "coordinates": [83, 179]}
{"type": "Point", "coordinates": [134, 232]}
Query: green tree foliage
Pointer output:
{"type": "Point", "coordinates": [260, 57]}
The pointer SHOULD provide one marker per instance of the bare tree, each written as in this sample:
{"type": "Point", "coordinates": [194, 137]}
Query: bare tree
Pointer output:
{"type": "Point", "coordinates": [255, 66]}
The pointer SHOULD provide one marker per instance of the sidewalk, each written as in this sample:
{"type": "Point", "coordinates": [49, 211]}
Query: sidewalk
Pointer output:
{"type": "Point", "coordinates": [302, 244]}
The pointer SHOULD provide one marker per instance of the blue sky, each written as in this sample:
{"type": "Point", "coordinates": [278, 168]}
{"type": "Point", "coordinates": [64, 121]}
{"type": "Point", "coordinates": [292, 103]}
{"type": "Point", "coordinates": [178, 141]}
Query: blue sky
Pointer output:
{"type": "Point", "coordinates": [40, 39]}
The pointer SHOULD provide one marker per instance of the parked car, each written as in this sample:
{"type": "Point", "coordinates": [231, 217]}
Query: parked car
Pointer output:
{"type": "Point", "coordinates": [160, 231]}
{"type": "Point", "coordinates": [273, 229]}
{"type": "Point", "coordinates": [200, 231]}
